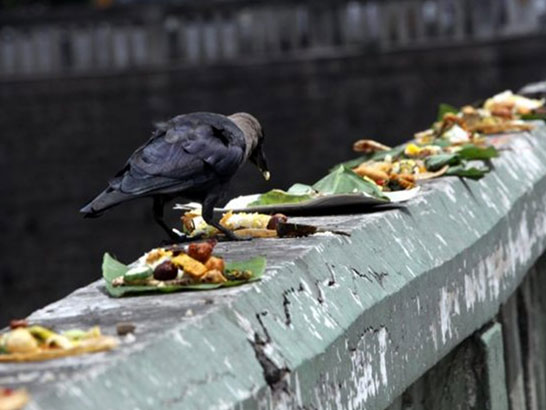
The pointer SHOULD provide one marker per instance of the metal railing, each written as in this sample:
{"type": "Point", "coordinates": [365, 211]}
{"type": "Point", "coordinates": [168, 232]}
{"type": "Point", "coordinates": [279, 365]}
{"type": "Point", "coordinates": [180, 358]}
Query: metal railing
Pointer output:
{"type": "Point", "coordinates": [83, 40]}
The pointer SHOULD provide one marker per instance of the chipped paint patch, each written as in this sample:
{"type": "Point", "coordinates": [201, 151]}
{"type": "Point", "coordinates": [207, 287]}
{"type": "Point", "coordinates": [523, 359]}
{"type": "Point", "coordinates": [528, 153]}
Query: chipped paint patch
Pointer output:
{"type": "Point", "coordinates": [369, 366]}
{"type": "Point", "coordinates": [449, 307]}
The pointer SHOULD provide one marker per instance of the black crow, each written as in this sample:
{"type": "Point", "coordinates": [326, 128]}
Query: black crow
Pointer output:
{"type": "Point", "coordinates": [193, 156]}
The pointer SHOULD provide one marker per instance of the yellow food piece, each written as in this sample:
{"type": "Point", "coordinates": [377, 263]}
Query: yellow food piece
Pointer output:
{"type": "Point", "coordinates": [365, 170]}
{"type": "Point", "coordinates": [40, 332]}
{"type": "Point", "coordinates": [156, 254]}
{"type": "Point", "coordinates": [189, 265]}
{"type": "Point", "coordinates": [20, 341]}
{"type": "Point", "coordinates": [256, 233]}
{"type": "Point", "coordinates": [213, 276]}
{"type": "Point", "coordinates": [215, 263]}
{"type": "Point", "coordinates": [412, 150]}
{"type": "Point", "coordinates": [59, 341]}
{"type": "Point", "coordinates": [16, 400]}
{"type": "Point", "coordinates": [425, 137]}
{"type": "Point", "coordinates": [240, 220]}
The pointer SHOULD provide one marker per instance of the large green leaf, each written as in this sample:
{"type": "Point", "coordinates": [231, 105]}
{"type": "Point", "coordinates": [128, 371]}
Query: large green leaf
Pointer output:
{"type": "Point", "coordinates": [472, 152]}
{"type": "Point", "coordinates": [278, 196]}
{"type": "Point", "coordinates": [468, 152]}
{"type": "Point", "coordinates": [112, 269]}
{"type": "Point", "coordinates": [344, 181]}
{"type": "Point", "coordinates": [301, 189]}
{"type": "Point", "coordinates": [435, 162]}
{"type": "Point", "coordinates": [472, 172]}
{"type": "Point", "coordinates": [395, 153]}
{"type": "Point", "coordinates": [352, 163]}
{"type": "Point", "coordinates": [443, 109]}
{"type": "Point", "coordinates": [534, 116]}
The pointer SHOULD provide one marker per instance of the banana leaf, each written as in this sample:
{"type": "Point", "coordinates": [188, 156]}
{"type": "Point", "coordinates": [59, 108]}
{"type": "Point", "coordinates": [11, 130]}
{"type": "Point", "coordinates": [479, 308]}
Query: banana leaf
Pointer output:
{"type": "Point", "coordinates": [443, 109]}
{"type": "Point", "coordinates": [352, 163]}
{"type": "Point", "coordinates": [301, 189]}
{"type": "Point", "coordinates": [461, 171]}
{"type": "Point", "coordinates": [436, 162]}
{"type": "Point", "coordinates": [472, 152]}
{"type": "Point", "coordinates": [344, 181]}
{"type": "Point", "coordinates": [111, 269]}
{"type": "Point", "coordinates": [534, 116]}
{"type": "Point", "coordinates": [395, 153]}
{"type": "Point", "coordinates": [278, 196]}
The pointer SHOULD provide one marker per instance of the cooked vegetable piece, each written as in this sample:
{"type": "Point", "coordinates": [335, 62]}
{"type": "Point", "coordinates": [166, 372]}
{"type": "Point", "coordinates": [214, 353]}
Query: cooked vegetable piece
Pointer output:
{"type": "Point", "coordinates": [215, 263]}
{"type": "Point", "coordinates": [213, 276]}
{"type": "Point", "coordinates": [235, 274]}
{"type": "Point", "coordinates": [56, 340]}
{"type": "Point", "coordinates": [189, 265]}
{"type": "Point", "coordinates": [137, 273]}
{"type": "Point", "coordinates": [40, 332]}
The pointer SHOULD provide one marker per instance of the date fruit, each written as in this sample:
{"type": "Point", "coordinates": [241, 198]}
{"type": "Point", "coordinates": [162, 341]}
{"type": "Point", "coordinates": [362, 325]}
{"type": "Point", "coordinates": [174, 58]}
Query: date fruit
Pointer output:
{"type": "Point", "coordinates": [165, 271]}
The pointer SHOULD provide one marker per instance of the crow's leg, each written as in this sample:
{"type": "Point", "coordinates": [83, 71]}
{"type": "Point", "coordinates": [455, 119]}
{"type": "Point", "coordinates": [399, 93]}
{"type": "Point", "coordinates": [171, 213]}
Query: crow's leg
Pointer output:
{"type": "Point", "coordinates": [208, 215]}
{"type": "Point", "coordinates": [159, 204]}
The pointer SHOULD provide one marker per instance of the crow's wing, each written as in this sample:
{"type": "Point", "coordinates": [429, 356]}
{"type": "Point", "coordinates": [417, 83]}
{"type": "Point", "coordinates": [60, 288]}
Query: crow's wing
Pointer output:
{"type": "Point", "coordinates": [191, 152]}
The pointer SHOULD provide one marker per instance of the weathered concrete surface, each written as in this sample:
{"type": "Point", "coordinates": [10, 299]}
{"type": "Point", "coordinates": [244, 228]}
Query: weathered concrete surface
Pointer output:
{"type": "Point", "coordinates": [485, 372]}
{"type": "Point", "coordinates": [336, 323]}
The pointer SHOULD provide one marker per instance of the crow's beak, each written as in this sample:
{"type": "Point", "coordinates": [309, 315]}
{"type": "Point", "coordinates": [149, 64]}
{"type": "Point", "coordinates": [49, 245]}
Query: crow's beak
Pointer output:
{"type": "Point", "coordinates": [261, 163]}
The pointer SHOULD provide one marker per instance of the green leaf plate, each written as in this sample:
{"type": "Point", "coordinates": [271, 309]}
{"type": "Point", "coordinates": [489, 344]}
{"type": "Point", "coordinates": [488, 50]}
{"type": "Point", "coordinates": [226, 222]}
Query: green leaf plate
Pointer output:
{"type": "Point", "coordinates": [112, 268]}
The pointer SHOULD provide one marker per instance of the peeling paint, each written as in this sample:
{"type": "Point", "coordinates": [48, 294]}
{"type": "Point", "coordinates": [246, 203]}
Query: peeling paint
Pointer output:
{"type": "Point", "coordinates": [449, 307]}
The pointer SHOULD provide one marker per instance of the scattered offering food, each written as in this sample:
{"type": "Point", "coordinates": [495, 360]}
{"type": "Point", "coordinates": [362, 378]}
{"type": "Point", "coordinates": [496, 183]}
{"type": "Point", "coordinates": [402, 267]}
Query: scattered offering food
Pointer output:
{"type": "Point", "coordinates": [508, 103]}
{"type": "Point", "coordinates": [457, 137]}
{"type": "Point", "coordinates": [175, 268]}
{"type": "Point", "coordinates": [402, 167]}
{"type": "Point", "coordinates": [24, 342]}
{"type": "Point", "coordinates": [11, 399]}
{"type": "Point", "coordinates": [253, 225]}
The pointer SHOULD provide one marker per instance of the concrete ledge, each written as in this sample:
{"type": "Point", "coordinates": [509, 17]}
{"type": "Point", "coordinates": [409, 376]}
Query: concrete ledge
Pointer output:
{"type": "Point", "coordinates": [336, 323]}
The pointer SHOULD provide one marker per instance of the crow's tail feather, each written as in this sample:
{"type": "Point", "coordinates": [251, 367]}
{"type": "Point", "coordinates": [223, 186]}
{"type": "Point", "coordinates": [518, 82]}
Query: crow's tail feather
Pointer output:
{"type": "Point", "coordinates": [104, 201]}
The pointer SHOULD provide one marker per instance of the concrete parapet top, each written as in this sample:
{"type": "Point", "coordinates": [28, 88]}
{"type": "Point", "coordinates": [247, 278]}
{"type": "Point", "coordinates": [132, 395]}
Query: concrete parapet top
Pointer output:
{"type": "Point", "coordinates": [336, 322]}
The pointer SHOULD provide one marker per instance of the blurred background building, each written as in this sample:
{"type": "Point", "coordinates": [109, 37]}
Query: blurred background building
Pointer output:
{"type": "Point", "coordinates": [81, 85]}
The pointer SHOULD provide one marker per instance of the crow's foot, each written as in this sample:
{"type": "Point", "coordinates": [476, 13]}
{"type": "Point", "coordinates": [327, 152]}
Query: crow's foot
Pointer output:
{"type": "Point", "coordinates": [229, 235]}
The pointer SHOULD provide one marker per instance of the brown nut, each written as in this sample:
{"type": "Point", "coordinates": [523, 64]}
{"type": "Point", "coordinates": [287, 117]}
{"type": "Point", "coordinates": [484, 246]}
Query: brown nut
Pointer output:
{"type": "Point", "coordinates": [274, 221]}
{"type": "Point", "coordinates": [15, 323]}
{"type": "Point", "coordinates": [165, 271]}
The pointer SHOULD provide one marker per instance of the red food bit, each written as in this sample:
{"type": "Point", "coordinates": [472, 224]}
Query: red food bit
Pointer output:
{"type": "Point", "coordinates": [6, 392]}
{"type": "Point", "coordinates": [15, 323]}
{"type": "Point", "coordinates": [201, 251]}
{"type": "Point", "coordinates": [380, 182]}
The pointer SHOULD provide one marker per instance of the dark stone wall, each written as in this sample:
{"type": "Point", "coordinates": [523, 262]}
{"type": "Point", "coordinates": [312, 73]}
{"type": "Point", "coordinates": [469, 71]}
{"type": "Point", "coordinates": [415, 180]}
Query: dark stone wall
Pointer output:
{"type": "Point", "coordinates": [63, 138]}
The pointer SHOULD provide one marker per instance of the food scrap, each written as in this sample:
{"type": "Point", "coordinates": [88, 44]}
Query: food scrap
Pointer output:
{"type": "Point", "coordinates": [459, 136]}
{"type": "Point", "coordinates": [24, 342]}
{"type": "Point", "coordinates": [179, 267]}
{"type": "Point", "coordinates": [11, 399]}
{"type": "Point", "coordinates": [253, 225]}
